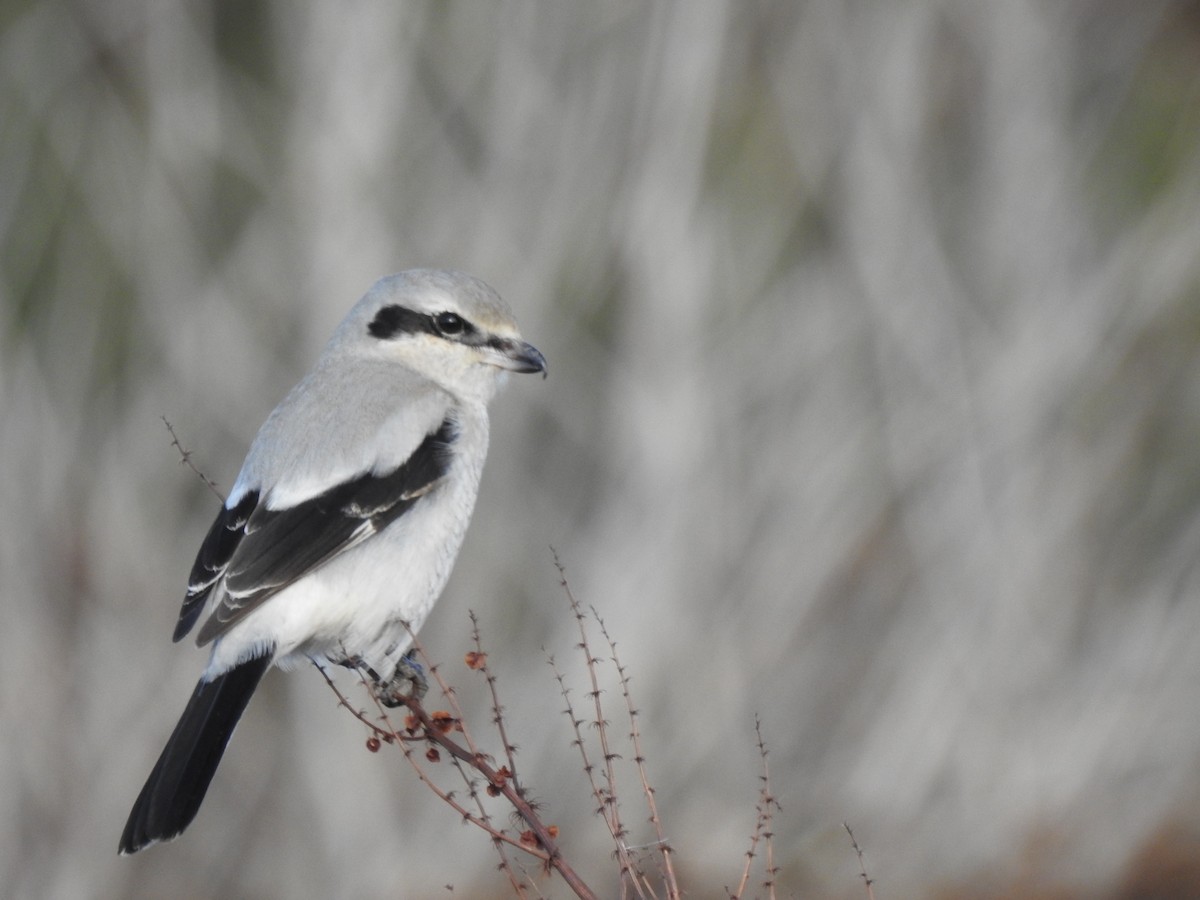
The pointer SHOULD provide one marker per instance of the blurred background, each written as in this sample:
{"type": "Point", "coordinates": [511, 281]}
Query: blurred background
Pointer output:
{"type": "Point", "coordinates": [874, 341]}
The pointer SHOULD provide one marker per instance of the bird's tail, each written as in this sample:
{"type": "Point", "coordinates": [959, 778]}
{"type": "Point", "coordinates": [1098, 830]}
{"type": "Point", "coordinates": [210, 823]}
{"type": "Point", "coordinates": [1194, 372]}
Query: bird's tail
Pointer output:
{"type": "Point", "coordinates": [176, 786]}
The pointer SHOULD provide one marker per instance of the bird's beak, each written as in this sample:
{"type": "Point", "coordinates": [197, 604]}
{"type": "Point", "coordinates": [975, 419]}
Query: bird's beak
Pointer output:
{"type": "Point", "coordinates": [517, 356]}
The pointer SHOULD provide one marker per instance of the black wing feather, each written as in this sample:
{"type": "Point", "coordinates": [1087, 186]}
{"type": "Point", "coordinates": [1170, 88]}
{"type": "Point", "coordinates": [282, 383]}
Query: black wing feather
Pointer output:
{"type": "Point", "coordinates": [215, 553]}
{"type": "Point", "coordinates": [275, 547]}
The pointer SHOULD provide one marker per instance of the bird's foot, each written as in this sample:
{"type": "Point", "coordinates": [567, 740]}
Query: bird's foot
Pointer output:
{"type": "Point", "coordinates": [358, 664]}
{"type": "Point", "coordinates": [408, 681]}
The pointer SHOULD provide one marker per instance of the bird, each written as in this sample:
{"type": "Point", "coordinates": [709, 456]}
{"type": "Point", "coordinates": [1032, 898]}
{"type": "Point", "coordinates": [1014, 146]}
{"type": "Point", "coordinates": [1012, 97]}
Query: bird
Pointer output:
{"type": "Point", "coordinates": [340, 531]}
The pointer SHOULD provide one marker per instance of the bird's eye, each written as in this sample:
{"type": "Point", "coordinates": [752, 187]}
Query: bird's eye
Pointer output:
{"type": "Point", "coordinates": [449, 323]}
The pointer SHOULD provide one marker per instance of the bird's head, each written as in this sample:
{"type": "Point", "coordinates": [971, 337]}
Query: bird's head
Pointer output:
{"type": "Point", "coordinates": [447, 326]}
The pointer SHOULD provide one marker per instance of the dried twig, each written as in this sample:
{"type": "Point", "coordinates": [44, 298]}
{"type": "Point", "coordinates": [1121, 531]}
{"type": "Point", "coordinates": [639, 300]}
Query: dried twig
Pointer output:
{"type": "Point", "coordinates": [765, 812]}
{"type": "Point", "coordinates": [635, 737]}
{"type": "Point", "coordinates": [606, 793]}
{"type": "Point", "coordinates": [477, 660]}
{"type": "Point", "coordinates": [185, 458]}
{"type": "Point", "coordinates": [862, 865]}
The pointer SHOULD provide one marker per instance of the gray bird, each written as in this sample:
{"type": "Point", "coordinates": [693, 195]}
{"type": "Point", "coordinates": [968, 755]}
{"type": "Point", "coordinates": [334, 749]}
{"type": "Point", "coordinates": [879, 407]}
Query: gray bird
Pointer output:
{"type": "Point", "coordinates": [342, 527]}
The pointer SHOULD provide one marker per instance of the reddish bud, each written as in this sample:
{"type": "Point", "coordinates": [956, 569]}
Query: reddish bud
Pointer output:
{"type": "Point", "coordinates": [529, 839]}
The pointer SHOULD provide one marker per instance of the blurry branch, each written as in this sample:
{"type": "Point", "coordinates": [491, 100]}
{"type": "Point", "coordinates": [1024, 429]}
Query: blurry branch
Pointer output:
{"type": "Point", "coordinates": [605, 794]}
{"type": "Point", "coordinates": [862, 865]}
{"type": "Point", "coordinates": [635, 738]}
{"type": "Point", "coordinates": [767, 804]}
{"type": "Point", "coordinates": [185, 458]}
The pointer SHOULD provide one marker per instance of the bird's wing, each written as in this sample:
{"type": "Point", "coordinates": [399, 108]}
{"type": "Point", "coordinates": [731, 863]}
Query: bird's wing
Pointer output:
{"type": "Point", "coordinates": [215, 553]}
{"type": "Point", "coordinates": [259, 550]}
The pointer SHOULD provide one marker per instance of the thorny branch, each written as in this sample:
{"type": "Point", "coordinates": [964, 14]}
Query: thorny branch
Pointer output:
{"type": "Point", "coordinates": [765, 811]}
{"type": "Point", "coordinates": [605, 794]}
{"type": "Point", "coordinates": [635, 737]}
{"type": "Point", "coordinates": [862, 865]}
{"type": "Point", "coordinates": [185, 458]}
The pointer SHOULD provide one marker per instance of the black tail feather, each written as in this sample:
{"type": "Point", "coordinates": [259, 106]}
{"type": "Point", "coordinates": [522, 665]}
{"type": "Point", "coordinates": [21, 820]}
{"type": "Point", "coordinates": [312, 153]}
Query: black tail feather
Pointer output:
{"type": "Point", "coordinates": [176, 786]}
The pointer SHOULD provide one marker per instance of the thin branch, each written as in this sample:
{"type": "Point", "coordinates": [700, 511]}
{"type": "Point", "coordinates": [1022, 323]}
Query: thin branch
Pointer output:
{"type": "Point", "coordinates": [862, 865]}
{"type": "Point", "coordinates": [452, 698]}
{"type": "Point", "coordinates": [768, 806]}
{"type": "Point", "coordinates": [635, 736]}
{"type": "Point", "coordinates": [383, 734]}
{"type": "Point", "coordinates": [606, 796]}
{"type": "Point", "coordinates": [589, 768]}
{"type": "Point", "coordinates": [764, 813]}
{"type": "Point", "coordinates": [185, 458]}
{"type": "Point", "coordinates": [478, 662]}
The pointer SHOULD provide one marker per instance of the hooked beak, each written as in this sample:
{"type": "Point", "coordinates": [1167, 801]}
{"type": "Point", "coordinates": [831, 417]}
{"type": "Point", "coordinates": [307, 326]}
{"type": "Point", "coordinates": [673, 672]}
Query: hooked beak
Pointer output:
{"type": "Point", "coordinates": [517, 356]}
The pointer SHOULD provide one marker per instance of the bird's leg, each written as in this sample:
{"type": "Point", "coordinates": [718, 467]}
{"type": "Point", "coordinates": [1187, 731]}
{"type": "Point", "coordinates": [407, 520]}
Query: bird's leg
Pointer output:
{"type": "Point", "coordinates": [359, 665]}
{"type": "Point", "coordinates": [407, 681]}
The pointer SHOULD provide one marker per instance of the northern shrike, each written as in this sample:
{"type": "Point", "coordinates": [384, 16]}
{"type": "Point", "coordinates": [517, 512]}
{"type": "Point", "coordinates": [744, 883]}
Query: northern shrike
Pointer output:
{"type": "Point", "coordinates": [343, 524]}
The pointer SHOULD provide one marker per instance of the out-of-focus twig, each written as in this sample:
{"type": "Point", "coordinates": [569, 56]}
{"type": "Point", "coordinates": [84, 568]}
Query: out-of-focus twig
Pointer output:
{"type": "Point", "coordinates": [635, 737]}
{"type": "Point", "coordinates": [606, 793]}
{"type": "Point", "coordinates": [765, 812]}
{"type": "Point", "coordinates": [185, 458]}
{"type": "Point", "coordinates": [862, 865]}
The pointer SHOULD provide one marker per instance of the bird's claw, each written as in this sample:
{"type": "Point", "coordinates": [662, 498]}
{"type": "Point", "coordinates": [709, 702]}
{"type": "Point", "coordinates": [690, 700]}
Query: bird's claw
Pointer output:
{"type": "Point", "coordinates": [407, 682]}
